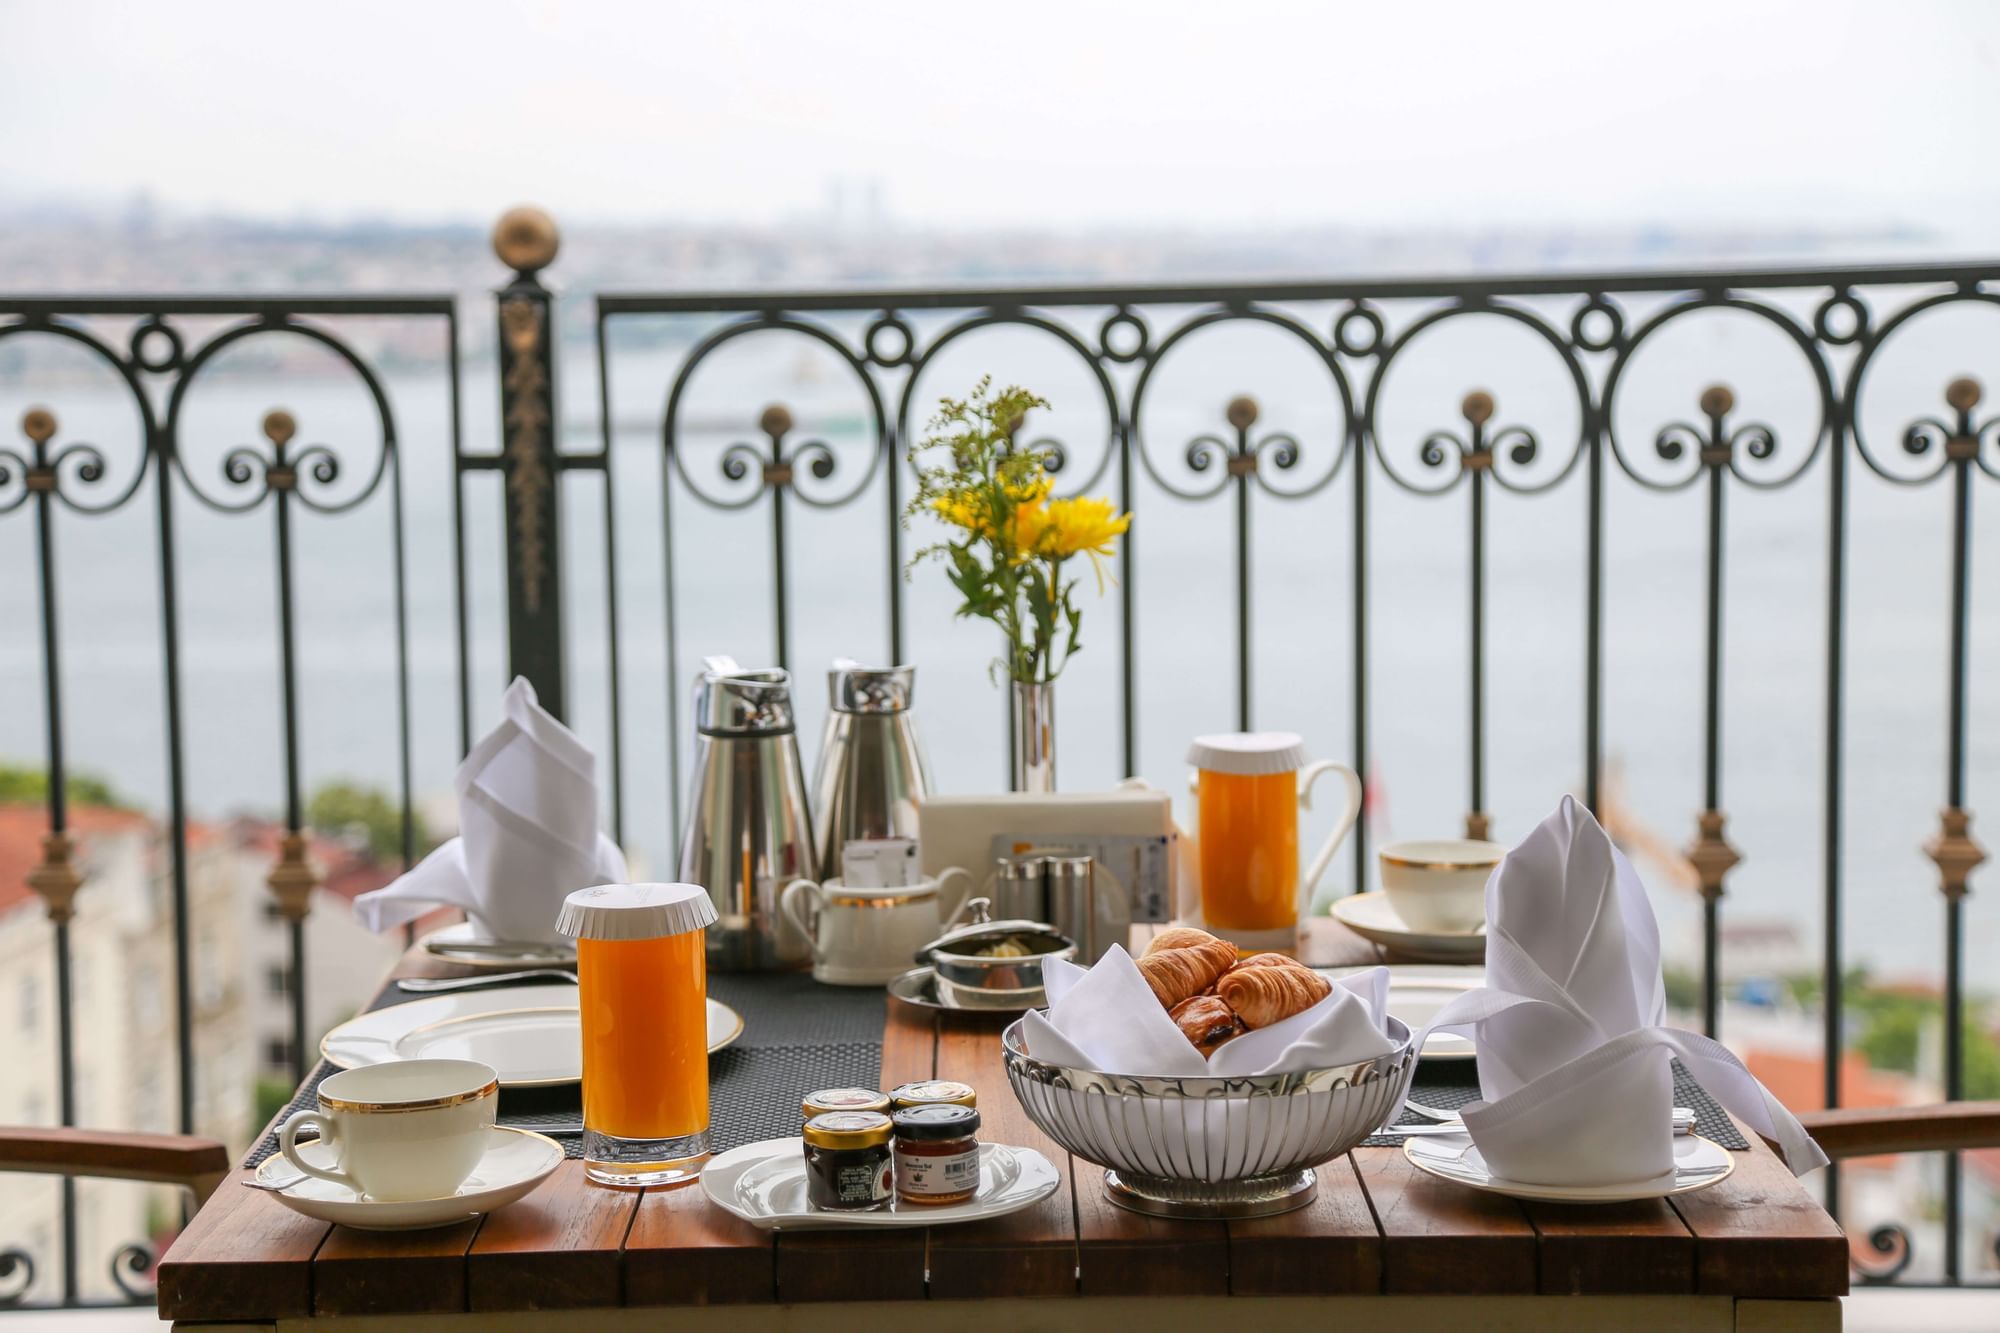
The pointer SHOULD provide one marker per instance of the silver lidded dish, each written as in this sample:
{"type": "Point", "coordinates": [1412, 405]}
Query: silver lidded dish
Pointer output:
{"type": "Point", "coordinates": [1211, 1147]}
{"type": "Point", "coordinates": [969, 976]}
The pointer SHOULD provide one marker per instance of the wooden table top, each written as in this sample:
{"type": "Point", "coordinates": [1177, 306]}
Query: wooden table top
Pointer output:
{"type": "Point", "coordinates": [1378, 1226]}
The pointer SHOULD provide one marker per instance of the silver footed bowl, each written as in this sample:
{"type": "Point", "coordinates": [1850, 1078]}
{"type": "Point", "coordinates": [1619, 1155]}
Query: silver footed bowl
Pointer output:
{"type": "Point", "coordinates": [1210, 1147]}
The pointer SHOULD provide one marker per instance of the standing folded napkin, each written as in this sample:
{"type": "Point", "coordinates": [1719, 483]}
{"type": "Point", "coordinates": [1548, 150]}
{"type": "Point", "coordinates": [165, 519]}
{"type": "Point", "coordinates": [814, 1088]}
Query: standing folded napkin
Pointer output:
{"type": "Point", "coordinates": [1575, 1067]}
{"type": "Point", "coordinates": [528, 835]}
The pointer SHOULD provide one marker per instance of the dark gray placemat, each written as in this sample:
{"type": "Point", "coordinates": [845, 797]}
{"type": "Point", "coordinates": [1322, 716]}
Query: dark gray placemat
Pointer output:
{"type": "Point", "coordinates": [797, 1036]}
{"type": "Point", "coordinates": [1449, 1086]}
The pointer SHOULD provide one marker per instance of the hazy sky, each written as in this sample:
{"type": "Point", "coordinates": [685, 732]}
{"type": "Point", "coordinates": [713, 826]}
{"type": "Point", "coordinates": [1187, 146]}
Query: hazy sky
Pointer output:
{"type": "Point", "coordinates": [1059, 114]}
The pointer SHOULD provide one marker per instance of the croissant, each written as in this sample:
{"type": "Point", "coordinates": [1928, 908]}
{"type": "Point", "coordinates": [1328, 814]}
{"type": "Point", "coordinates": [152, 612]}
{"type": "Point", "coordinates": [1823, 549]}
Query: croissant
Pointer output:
{"type": "Point", "coordinates": [1177, 937]}
{"type": "Point", "coordinates": [1175, 974]}
{"type": "Point", "coordinates": [1268, 992]}
{"type": "Point", "coordinates": [1206, 1021]}
{"type": "Point", "coordinates": [1274, 960]}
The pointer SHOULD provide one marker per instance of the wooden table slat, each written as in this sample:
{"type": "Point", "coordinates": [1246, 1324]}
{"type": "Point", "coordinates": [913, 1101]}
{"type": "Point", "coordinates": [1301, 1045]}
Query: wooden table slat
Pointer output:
{"type": "Point", "coordinates": [392, 1272]}
{"type": "Point", "coordinates": [683, 1250]}
{"type": "Point", "coordinates": [244, 1256]}
{"type": "Point", "coordinates": [557, 1249]}
{"type": "Point", "coordinates": [1029, 1253]}
{"type": "Point", "coordinates": [1624, 1249]}
{"type": "Point", "coordinates": [1331, 1247]}
{"type": "Point", "coordinates": [1439, 1238]}
{"type": "Point", "coordinates": [1760, 1233]}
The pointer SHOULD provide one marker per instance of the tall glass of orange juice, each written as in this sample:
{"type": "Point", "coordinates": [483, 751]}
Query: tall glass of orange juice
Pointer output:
{"type": "Point", "coordinates": [642, 993]}
{"type": "Point", "coordinates": [1249, 788]}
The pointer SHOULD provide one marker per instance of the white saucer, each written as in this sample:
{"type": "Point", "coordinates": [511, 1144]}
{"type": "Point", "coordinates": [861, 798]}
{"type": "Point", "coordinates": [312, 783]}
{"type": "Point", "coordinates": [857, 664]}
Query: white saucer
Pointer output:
{"type": "Point", "coordinates": [1698, 1163]}
{"type": "Point", "coordinates": [765, 1185]}
{"type": "Point", "coordinates": [515, 1162]}
{"type": "Point", "coordinates": [465, 943]}
{"type": "Point", "coordinates": [529, 1034]}
{"type": "Point", "coordinates": [1417, 991]}
{"type": "Point", "coordinates": [1370, 916]}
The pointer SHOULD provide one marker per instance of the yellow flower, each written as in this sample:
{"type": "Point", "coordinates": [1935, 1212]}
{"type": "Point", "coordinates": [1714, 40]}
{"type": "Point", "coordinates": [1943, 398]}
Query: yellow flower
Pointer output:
{"type": "Point", "coordinates": [1084, 524]}
{"type": "Point", "coordinates": [1029, 528]}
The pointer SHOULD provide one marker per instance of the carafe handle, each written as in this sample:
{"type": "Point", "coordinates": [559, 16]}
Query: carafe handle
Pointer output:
{"type": "Point", "coordinates": [1345, 825]}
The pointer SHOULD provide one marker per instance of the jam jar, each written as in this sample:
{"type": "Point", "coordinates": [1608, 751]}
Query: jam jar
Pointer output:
{"type": "Point", "coordinates": [842, 1099]}
{"type": "Point", "coordinates": [937, 1153]}
{"type": "Point", "coordinates": [933, 1092]}
{"type": "Point", "coordinates": [848, 1160]}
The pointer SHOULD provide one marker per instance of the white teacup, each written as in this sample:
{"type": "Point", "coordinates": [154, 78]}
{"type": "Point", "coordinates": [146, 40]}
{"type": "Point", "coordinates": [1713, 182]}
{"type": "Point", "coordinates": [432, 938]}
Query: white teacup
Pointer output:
{"type": "Point", "coordinates": [871, 936]}
{"type": "Point", "coordinates": [406, 1130]}
{"type": "Point", "coordinates": [1439, 886]}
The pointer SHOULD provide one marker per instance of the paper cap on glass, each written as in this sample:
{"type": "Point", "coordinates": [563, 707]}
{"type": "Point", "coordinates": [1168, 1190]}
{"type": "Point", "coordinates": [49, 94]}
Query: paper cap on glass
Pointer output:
{"type": "Point", "coordinates": [1249, 753]}
{"type": "Point", "coordinates": [635, 911]}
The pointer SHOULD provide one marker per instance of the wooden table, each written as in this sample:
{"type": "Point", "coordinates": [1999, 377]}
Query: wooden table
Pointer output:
{"type": "Point", "coordinates": [1754, 1252]}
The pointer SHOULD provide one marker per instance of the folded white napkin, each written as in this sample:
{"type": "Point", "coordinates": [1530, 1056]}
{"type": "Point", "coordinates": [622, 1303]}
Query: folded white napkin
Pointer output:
{"type": "Point", "coordinates": [1109, 1020]}
{"type": "Point", "coordinates": [1574, 1065]}
{"type": "Point", "coordinates": [528, 835]}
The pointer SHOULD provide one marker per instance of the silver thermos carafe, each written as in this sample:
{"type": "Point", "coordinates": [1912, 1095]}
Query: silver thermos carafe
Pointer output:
{"type": "Point", "coordinates": [871, 772]}
{"type": "Point", "coordinates": [748, 833]}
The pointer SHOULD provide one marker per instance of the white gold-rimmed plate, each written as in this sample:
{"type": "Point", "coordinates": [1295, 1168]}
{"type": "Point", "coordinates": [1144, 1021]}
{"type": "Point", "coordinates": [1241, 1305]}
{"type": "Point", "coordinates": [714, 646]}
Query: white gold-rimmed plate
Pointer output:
{"type": "Point", "coordinates": [515, 1161]}
{"type": "Point", "coordinates": [765, 1185]}
{"type": "Point", "coordinates": [466, 943]}
{"type": "Point", "coordinates": [529, 1034]}
{"type": "Point", "coordinates": [1417, 991]}
{"type": "Point", "coordinates": [1698, 1163]}
{"type": "Point", "coordinates": [1370, 916]}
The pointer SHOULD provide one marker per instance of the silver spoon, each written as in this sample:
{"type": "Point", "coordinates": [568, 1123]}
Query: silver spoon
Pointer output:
{"type": "Point", "coordinates": [431, 985]}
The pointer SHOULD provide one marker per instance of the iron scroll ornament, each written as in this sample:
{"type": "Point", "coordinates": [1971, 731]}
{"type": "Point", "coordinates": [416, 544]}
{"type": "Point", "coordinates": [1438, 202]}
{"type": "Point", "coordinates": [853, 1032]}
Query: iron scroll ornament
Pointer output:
{"type": "Point", "coordinates": [79, 464]}
{"type": "Point", "coordinates": [1679, 440]}
{"type": "Point", "coordinates": [1928, 436]}
{"type": "Point", "coordinates": [1244, 458]}
{"type": "Point", "coordinates": [18, 1266]}
{"type": "Point", "coordinates": [1056, 454]}
{"type": "Point", "coordinates": [738, 458]}
{"type": "Point", "coordinates": [282, 469]}
{"type": "Point", "coordinates": [133, 1259]}
{"type": "Point", "coordinates": [1518, 444]}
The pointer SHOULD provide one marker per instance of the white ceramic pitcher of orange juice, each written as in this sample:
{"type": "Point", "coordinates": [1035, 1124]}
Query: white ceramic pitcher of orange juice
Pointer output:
{"type": "Point", "coordinates": [1249, 789]}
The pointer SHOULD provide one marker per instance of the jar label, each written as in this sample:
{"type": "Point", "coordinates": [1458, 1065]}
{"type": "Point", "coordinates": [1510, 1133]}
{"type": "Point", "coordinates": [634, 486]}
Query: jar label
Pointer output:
{"type": "Point", "coordinates": [957, 1174]}
{"type": "Point", "coordinates": [863, 1182]}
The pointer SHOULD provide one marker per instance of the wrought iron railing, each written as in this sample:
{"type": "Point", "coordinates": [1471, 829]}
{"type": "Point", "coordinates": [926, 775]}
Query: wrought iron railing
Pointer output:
{"type": "Point", "coordinates": [1587, 331]}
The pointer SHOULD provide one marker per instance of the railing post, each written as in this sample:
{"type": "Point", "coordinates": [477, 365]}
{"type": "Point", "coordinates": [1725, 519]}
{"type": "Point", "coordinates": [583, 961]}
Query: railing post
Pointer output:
{"type": "Point", "coordinates": [525, 239]}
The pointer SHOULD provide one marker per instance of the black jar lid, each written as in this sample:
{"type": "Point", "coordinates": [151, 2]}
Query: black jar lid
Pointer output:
{"type": "Point", "coordinates": [924, 1123]}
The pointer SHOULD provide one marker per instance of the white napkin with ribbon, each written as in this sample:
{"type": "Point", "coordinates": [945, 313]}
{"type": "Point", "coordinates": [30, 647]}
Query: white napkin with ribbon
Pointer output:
{"type": "Point", "coordinates": [528, 835]}
{"type": "Point", "coordinates": [1107, 1018]}
{"type": "Point", "coordinates": [1574, 1062]}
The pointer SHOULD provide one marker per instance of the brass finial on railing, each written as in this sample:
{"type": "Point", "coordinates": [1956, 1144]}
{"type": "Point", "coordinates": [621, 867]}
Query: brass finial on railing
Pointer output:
{"type": "Point", "coordinates": [1711, 854]}
{"type": "Point", "coordinates": [1477, 407]}
{"type": "Point", "coordinates": [292, 880]}
{"type": "Point", "coordinates": [56, 879]}
{"type": "Point", "coordinates": [1962, 395]}
{"type": "Point", "coordinates": [39, 425]}
{"type": "Point", "coordinates": [526, 239]}
{"type": "Point", "coordinates": [1954, 851]}
{"type": "Point", "coordinates": [1241, 412]}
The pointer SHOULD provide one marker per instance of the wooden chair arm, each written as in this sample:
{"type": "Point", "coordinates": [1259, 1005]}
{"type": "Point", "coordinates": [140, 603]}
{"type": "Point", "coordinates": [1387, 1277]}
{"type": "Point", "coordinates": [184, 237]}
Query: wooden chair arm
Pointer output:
{"type": "Point", "coordinates": [1898, 1129]}
{"type": "Point", "coordinates": [199, 1165]}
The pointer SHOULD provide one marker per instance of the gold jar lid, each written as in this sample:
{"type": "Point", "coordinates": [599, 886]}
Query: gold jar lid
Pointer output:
{"type": "Point", "coordinates": [934, 1092]}
{"type": "Point", "coordinates": [842, 1099]}
{"type": "Point", "coordinates": [847, 1129]}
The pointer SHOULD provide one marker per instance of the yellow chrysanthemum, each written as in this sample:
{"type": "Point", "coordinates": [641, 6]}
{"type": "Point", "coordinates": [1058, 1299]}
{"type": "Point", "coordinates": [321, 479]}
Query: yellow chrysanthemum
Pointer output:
{"type": "Point", "coordinates": [1082, 523]}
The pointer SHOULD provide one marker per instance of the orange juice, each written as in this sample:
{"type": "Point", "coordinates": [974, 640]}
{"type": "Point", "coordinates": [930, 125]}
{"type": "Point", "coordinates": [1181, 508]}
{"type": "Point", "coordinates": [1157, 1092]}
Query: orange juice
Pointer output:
{"type": "Point", "coordinates": [645, 1035]}
{"type": "Point", "coordinates": [1249, 839]}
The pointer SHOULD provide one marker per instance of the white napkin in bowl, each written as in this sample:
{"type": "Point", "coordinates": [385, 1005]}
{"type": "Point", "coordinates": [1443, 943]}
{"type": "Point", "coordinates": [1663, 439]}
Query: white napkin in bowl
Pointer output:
{"type": "Point", "coordinates": [1574, 1065]}
{"type": "Point", "coordinates": [528, 835]}
{"type": "Point", "coordinates": [1107, 1018]}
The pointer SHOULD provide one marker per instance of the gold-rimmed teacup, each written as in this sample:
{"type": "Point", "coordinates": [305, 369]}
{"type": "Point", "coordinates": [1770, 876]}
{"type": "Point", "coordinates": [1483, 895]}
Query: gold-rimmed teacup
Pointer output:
{"type": "Point", "coordinates": [1438, 886]}
{"type": "Point", "coordinates": [406, 1130]}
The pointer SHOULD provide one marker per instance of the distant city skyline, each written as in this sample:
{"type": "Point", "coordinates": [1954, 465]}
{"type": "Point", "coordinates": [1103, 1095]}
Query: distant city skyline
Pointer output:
{"type": "Point", "coordinates": [1062, 117]}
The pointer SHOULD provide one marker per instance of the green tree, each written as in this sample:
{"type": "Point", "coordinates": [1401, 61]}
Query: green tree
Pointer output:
{"type": "Point", "coordinates": [341, 808]}
{"type": "Point", "coordinates": [21, 785]}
